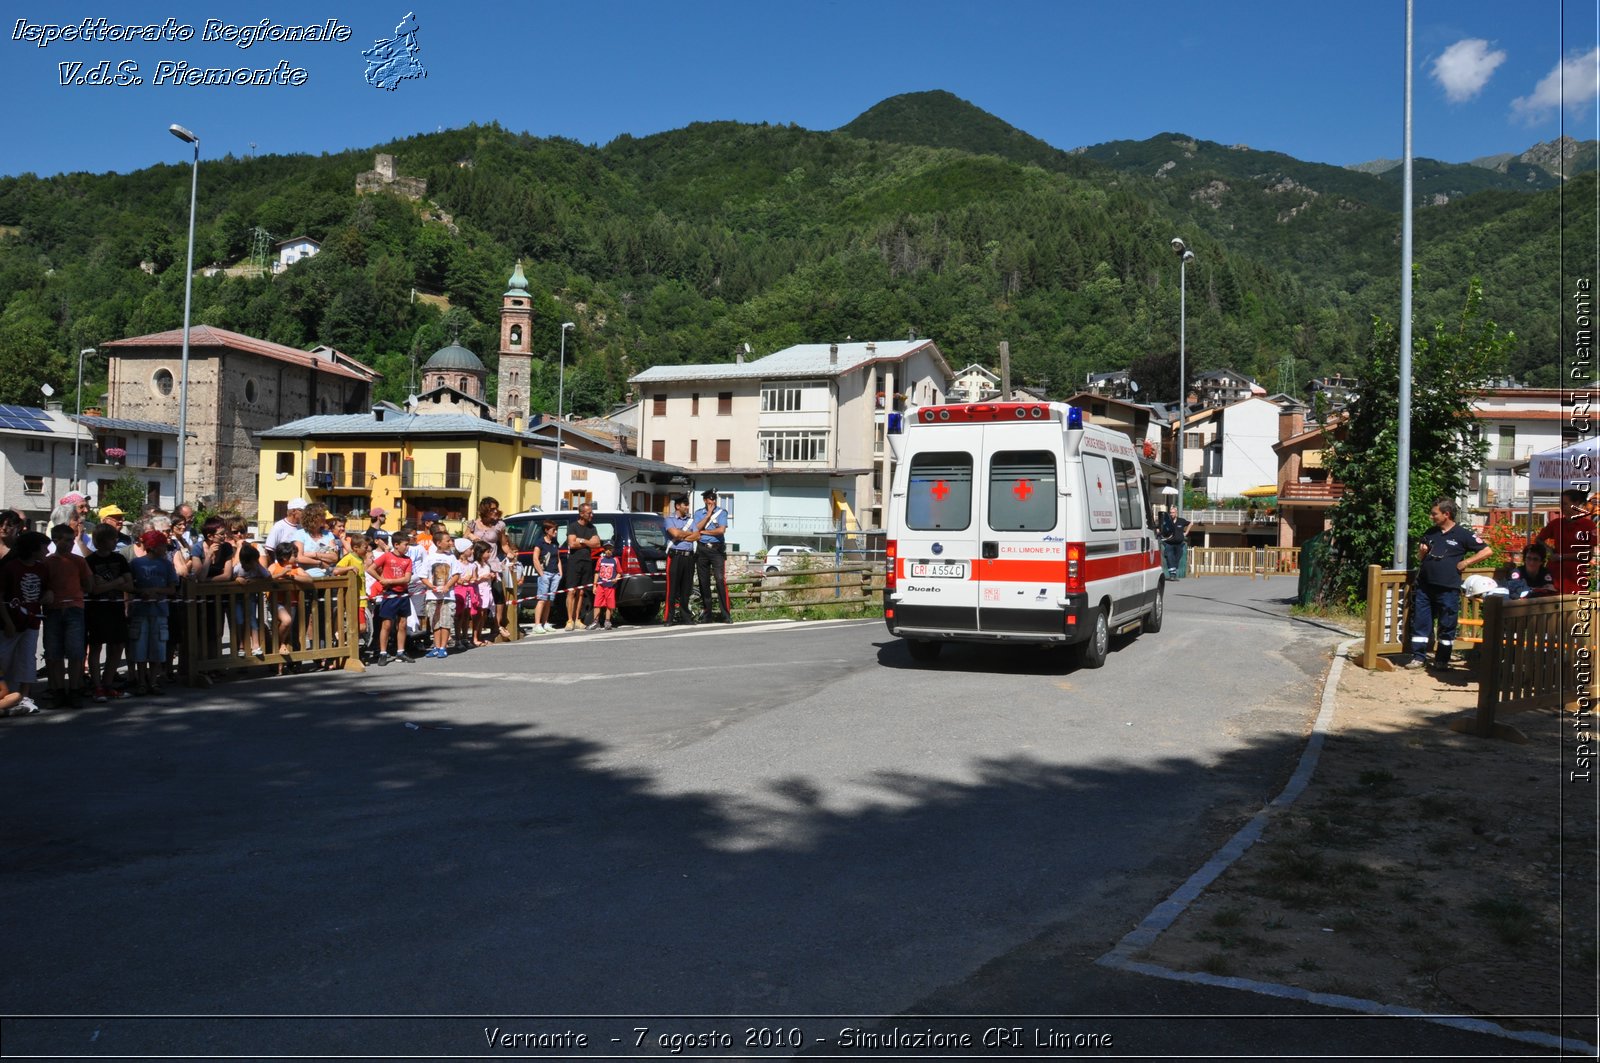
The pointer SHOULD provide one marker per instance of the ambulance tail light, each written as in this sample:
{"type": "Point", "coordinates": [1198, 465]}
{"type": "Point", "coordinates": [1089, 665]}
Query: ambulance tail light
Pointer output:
{"type": "Point", "coordinates": [628, 563]}
{"type": "Point", "coordinates": [891, 565]}
{"type": "Point", "coordinates": [1075, 568]}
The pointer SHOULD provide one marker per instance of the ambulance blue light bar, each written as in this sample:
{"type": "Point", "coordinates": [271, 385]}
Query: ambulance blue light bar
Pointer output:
{"type": "Point", "coordinates": [1074, 418]}
{"type": "Point", "coordinates": [969, 412]}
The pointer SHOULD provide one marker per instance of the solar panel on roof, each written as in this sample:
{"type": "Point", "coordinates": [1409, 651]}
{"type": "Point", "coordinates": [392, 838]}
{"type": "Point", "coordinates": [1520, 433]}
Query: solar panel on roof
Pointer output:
{"type": "Point", "coordinates": [24, 418]}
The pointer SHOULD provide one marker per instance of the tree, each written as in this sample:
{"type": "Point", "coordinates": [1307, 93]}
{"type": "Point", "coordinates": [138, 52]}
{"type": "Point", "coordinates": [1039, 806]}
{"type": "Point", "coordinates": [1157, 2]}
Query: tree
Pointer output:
{"type": "Point", "coordinates": [127, 492]}
{"type": "Point", "coordinates": [1448, 365]}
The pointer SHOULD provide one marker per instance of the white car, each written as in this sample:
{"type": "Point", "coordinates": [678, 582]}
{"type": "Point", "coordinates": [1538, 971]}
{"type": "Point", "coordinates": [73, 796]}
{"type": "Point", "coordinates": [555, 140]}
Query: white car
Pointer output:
{"type": "Point", "coordinates": [782, 557]}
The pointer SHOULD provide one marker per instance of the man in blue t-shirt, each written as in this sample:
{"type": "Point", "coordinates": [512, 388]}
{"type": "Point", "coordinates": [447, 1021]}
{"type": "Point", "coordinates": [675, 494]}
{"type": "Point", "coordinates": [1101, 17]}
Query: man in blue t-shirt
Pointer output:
{"type": "Point", "coordinates": [1446, 551]}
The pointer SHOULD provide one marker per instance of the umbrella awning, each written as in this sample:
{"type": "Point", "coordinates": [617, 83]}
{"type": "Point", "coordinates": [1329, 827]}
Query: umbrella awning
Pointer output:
{"type": "Point", "coordinates": [1264, 491]}
{"type": "Point", "coordinates": [1571, 466]}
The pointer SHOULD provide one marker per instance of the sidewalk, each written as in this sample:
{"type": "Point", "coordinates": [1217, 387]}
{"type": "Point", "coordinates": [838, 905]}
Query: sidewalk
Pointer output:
{"type": "Point", "coordinates": [1420, 868]}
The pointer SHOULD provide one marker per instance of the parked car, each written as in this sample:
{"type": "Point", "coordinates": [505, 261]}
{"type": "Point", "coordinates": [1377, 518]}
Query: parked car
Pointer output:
{"type": "Point", "coordinates": [641, 545]}
{"type": "Point", "coordinates": [782, 557]}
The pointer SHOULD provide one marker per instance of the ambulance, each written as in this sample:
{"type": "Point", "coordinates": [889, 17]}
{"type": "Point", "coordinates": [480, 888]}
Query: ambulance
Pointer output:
{"type": "Point", "coordinates": [1015, 522]}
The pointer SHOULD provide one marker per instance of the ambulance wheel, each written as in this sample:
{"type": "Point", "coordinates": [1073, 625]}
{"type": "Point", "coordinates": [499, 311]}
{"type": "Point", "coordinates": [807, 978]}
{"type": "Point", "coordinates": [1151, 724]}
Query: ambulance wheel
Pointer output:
{"type": "Point", "coordinates": [1158, 611]}
{"type": "Point", "coordinates": [923, 650]}
{"type": "Point", "coordinates": [1092, 652]}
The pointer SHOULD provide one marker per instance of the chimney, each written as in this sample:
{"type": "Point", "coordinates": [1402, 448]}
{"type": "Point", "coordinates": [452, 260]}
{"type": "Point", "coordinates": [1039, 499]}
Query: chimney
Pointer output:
{"type": "Point", "coordinates": [53, 406]}
{"type": "Point", "coordinates": [738, 356]}
{"type": "Point", "coordinates": [833, 354]}
{"type": "Point", "coordinates": [872, 349]}
{"type": "Point", "coordinates": [377, 413]}
{"type": "Point", "coordinates": [1291, 422]}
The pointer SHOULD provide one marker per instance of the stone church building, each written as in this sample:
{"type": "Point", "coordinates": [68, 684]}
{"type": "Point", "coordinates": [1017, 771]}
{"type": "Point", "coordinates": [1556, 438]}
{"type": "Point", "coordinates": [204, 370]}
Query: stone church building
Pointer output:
{"type": "Point", "coordinates": [454, 380]}
{"type": "Point", "coordinates": [238, 386]}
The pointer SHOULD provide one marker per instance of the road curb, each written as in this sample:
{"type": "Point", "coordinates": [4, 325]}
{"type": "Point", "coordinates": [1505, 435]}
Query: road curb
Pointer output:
{"type": "Point", "coordinates": [1163, 915]}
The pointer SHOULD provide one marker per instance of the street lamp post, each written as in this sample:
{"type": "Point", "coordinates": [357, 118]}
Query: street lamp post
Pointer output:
{"type": "Point", "coordinates": [561, 388]}
{"type": "Point", "coordinates": [1185, 256]}
{"type": "Point", "coordinates": [188, 294]}
{"type": "Point", "coordinates": [77, 483]}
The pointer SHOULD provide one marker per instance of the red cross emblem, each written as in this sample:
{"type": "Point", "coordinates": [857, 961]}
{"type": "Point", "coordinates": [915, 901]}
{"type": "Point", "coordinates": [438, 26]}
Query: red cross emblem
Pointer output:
{"type": "Point", "coordinates": [939, 489]}
{"type": "Point", "coordinates": [1098, 486]}
{"type": "Point", "coordinates": [1022, 490]}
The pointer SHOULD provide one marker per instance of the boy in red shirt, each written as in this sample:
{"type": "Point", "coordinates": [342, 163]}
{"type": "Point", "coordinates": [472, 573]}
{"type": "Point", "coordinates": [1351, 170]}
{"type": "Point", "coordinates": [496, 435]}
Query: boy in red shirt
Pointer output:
{"type": "Point", "coordinates": [392, 570]}
{"type": "Point", "coordinates": [68, 578]}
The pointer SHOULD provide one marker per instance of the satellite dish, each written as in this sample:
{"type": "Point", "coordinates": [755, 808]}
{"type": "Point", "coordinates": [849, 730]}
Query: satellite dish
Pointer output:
{"type": "Point", "coordinates": [48, 390]}
{"type": "Point", "coordinates": [1133, 386]}
{"type": "Point", "coordinates": [747, 348]}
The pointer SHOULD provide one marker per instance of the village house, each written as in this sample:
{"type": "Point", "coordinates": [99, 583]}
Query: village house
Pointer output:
{"type": "Point", "coordinates": [794, 439]}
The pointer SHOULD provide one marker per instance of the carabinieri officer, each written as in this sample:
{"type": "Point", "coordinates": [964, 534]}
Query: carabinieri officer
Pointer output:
{"type": "Point", "coordinates": [680, 562]}
{"type": "Point", "coordinates": [711, 558]}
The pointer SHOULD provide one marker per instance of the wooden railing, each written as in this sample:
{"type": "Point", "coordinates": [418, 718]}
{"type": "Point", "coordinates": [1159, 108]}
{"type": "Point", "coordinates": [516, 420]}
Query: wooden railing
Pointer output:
{"type": "Point", "coordinates": [842, 585]}
{"type": "Point", "coordinates": [1389, 614]}
{"type": "Point", "coordinates": [1249, 561]}
{"type": "Point", "coordinates": [219, 616]}
{"type": "Point", "coordinates": [1537, 653]}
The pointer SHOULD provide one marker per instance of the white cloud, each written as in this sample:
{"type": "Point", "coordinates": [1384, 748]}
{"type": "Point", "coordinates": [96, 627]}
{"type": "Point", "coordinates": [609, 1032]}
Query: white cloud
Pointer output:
{"type": "Point", "coordinates": [1573, 83]}
{"type": "Point", "coordinates": [1465, 68]}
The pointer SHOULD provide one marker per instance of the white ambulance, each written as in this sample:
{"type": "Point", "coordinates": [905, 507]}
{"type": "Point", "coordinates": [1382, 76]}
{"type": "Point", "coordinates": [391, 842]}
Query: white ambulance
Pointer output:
{"type": "Point", "coordinates": [1016, 522]}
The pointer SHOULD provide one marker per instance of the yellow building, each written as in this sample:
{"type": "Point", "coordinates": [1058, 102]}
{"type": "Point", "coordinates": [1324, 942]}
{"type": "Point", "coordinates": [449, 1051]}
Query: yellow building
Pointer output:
{"type": "Point", "coordinates": [412, 464]}
{"type": "Point", "coordinates": [407, 464]}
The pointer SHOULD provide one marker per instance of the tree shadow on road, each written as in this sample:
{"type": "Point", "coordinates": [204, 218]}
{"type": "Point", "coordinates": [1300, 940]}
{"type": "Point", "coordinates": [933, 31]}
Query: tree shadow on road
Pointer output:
{"type": "Point", "coordinates": [297, 848]}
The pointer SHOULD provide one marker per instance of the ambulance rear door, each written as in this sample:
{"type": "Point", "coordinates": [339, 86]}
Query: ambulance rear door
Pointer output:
{"type": "Point", "coordinates": [939, 542]}
{"type": "Point", "coordinates": [1021, 568]}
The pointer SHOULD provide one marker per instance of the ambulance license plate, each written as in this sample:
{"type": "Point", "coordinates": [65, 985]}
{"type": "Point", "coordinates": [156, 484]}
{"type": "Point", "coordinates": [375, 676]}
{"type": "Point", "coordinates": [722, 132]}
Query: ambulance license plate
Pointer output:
{"type": "Point", "coordinates": [935, 570]}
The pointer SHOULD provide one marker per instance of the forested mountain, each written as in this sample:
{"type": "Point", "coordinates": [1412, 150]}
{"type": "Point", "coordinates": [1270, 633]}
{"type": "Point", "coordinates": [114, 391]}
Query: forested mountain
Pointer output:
{"type": "Point", "coordinates": [924, 215]}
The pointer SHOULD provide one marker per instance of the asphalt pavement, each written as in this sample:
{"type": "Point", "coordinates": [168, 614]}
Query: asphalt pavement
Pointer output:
{"type": "Point", "coordinates": [787, 821]}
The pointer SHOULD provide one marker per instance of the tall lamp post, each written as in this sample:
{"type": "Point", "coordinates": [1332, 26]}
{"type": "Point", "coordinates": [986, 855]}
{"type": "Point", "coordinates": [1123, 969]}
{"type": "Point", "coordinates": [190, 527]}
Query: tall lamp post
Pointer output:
{"type": "Point", "coordinates": [77, 483]}
{"type": "Point", "coordinates": [561, 388]}
{"type": "Point", "coordinates": [188, 294]}
{"type": "Point", "coordinates": [1185, 256]}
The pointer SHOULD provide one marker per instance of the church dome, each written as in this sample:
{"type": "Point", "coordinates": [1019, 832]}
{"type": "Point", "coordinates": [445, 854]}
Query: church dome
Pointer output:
{"type": "Point", "coordinates": [455, 358]}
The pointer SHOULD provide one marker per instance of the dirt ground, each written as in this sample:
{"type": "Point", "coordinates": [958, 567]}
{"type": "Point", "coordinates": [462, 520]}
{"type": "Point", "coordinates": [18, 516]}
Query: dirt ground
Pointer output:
{"type": "Point", "coordinates": [1421, 867]}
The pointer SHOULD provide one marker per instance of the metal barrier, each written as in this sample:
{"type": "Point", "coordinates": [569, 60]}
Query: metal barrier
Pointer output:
{"type": "Point", "coordinates": [219, 616]}
{"type": "Point", "coordinates": [1252, 561]}
{"type": "Point", "coordinates": [1537, 653]}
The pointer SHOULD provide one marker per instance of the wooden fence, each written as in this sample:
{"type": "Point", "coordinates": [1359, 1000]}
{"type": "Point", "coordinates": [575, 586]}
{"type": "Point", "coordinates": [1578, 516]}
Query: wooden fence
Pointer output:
{"type": "Point", "coordinates": [1389, 614]}
{"type": "Point", "coordinates": [1537, 653]}
{"type": "Point", "coordinates": [1252, 561]}
{"type": "Point", "coordinates": [223, 618]}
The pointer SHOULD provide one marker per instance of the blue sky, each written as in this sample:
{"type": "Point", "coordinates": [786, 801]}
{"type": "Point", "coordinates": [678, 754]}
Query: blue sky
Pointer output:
{"type": "Point", "coordinates": [1319, 81]}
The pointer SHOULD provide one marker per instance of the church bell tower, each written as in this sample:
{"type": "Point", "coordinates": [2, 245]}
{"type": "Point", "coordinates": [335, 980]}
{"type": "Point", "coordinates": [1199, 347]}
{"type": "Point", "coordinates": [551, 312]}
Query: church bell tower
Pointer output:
{"type": "Point", "coordinates": [516, 359]}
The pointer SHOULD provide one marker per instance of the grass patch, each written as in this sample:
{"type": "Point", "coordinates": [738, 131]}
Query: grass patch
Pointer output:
{"type": "Point", "coordinates": [1512, 921]}
{"type": "Point", "coordinates": [1228, 917]}
{"type": "Point", "coordinates": [1435, 806]}
{"type": "Point", "coordinates": [1376, 778]}
{"type": "Point", "coordinates": [1338, 615]}
{"type": "Point", "coordinates": [1219, 964]}
{"type": "Point", "coordinates": [1308, 965]}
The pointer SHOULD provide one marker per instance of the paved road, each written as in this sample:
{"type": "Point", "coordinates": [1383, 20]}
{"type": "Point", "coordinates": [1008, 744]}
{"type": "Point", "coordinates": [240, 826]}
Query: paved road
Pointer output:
{"type": "Point", "coordinates": [780, 819]}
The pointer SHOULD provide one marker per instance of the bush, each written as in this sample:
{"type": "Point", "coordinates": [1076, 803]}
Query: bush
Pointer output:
{"type": "Point", "coordinates": [128, 493]}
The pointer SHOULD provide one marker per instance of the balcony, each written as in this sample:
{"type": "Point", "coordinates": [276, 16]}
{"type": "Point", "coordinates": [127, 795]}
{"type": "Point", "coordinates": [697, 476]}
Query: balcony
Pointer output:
{"type": "Point", "coordinates": [133, 461]}
{"type": "Point", "coordinates": [777, 524]}
{"type": "Point", "coordinates": [436, 481]}
{"type": "Point", "coordinates": [338, 480]}
{"type": "Point", "coordinates": [1311, 492]}
{"type": "Point", "coordinates": [1234, 517]}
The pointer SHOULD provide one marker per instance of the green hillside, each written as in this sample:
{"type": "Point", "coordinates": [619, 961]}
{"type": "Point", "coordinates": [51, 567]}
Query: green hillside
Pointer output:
{"type": "Point", "coordinates": [685, 245]}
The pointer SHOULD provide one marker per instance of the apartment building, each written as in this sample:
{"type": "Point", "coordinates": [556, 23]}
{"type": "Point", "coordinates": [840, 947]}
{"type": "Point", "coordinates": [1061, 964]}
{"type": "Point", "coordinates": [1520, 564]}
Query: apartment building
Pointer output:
{"type": "Point", "coordinates": [794, 440]}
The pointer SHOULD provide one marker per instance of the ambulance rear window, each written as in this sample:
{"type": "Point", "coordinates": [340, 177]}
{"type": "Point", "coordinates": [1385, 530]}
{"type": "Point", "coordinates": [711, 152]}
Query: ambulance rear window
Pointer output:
{"type": "Point", "coordinates": [939, 497]}
{"type": "Point", "coordinates": [1022, 490]}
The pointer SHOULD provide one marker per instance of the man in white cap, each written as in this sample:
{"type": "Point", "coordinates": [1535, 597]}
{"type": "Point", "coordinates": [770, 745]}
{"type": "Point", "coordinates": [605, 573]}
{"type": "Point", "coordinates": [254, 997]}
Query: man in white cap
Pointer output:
{"type": "Point", "coordinates": [285, 529]}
